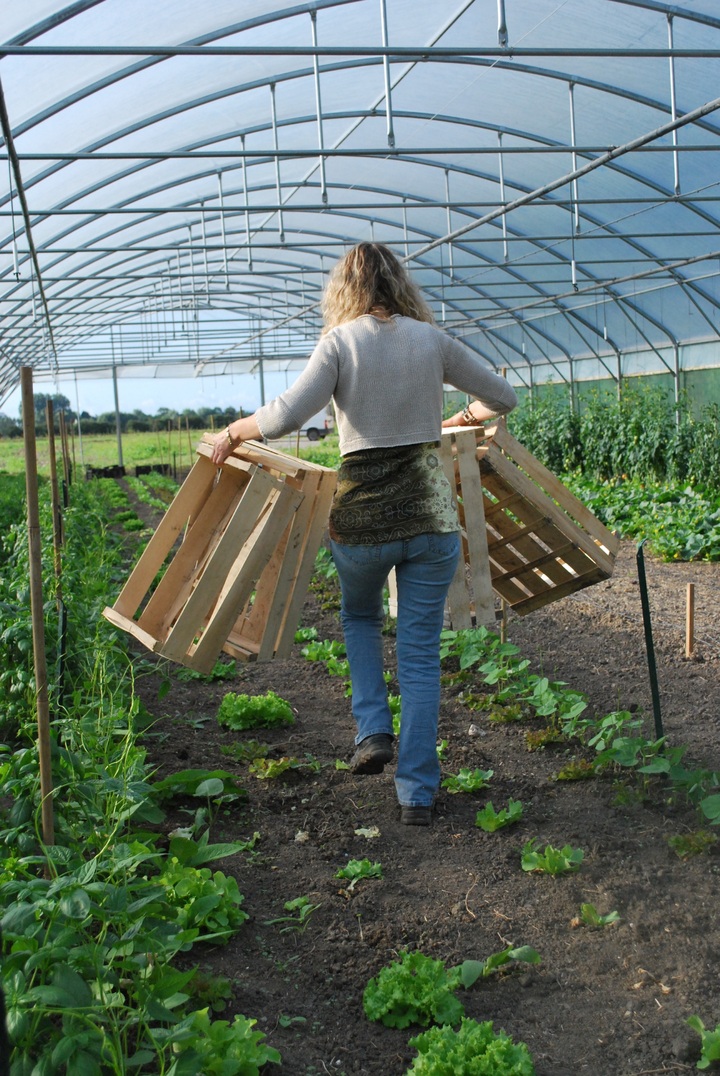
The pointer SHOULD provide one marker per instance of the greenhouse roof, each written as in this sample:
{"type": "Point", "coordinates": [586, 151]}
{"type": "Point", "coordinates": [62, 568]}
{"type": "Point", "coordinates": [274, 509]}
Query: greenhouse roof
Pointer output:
{"type": "Point", "coordinates": [180, 177]}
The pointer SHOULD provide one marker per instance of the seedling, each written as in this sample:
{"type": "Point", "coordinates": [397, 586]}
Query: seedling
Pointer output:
{"type": "Point", "coordinates": [710, 1042]}
{"type": "Point", "coordinates": [692, 844]}
{"type": "Point", "coordinates": [297, 922]}
{"type": "Point", "coordinates": [553, 860]}
{"type": "Point", "coordinates": [490, 820]}
{"type": "Point", "coordinates": [441, 749]}
{"type": "Point", "coordinates": [357, 869]}
{"type": "Point", "coordinates": [267, 769]}
{"type": "Point", "coordinates": [577, 770]}
{"type": "Point", "coordinates": [467, 780]}
{"type": "Point", "coordinates": [540, 738]}
{"type": "Point", "coordinates": [247, 751]}
{"type": "Point", "coordinates": [221, 670]}
{"type": "Point", "coordinates": [591, 917]}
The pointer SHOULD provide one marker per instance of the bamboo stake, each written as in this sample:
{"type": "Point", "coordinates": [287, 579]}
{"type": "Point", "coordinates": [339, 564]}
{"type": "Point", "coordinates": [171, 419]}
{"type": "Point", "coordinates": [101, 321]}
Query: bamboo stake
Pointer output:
{"type": "Point", "coordinates": [190, 447]}
{"type": "Point", "coordinates": [36, 606]}
{"type": "Point", "coordinates": [690, 621]}
{"type": "Point", "coordinates": [65, 454]}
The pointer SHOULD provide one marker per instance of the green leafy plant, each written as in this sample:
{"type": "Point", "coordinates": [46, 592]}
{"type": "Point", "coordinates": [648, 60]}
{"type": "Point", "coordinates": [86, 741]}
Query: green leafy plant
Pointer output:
{"type": "Point", "coordinates": [490, 820]}
{"type": "Point", "coordinates": [267, 769]}
{"type": "Point", "coordinates": [301, 908]}
{"type": "Point", "coordinates": [246, 751]}
{"type": "Point", "coordinates": [239, 712]}
{"type": "Point", "coordinates": [467, 780]}
{"type": "Point", "coordinates": [578, 769]}
{"type": "Point", "coordinates": [686, 845]}
{"type": "Point", "coordinates": [473, 1050]}
{"type": "Point", "coordinates": [357, 869]}
{"type": "Point", "coordinates": [221, 670]}
{"type": "Point", "coordinates": [553, 860]}
{"type": "Point", "coordinates": [217, 1047]}
{"type": "Point", "coordinates": [210, 784]}
{"type": "Point", "coordinates": [710, 1042]}
{"type": "Point", "coordinates": [591, 917]}
{"type": "Point", "coordinates": [419, 990]}
{"type": "Point", "coordinates": [415, 990]}
{"type": "Point", "coordinates": [321, 650]}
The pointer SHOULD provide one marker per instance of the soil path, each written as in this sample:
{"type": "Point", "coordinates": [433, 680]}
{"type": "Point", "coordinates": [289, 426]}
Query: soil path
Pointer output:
{"type": "Point", "coordinates": [610, 1002]}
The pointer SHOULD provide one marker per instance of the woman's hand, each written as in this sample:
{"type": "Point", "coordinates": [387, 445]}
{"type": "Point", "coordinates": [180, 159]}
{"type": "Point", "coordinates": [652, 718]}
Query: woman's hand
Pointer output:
{"type": "Point", "coordinates": [242, 429]}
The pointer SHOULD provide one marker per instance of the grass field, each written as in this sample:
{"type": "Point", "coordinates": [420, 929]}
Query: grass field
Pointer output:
{"type": "Point", "coordinates": [177, 449]}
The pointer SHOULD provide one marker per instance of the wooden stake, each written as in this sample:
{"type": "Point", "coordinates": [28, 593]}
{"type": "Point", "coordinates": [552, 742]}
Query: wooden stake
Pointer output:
{"type": "Point", "coordinates": [690, 621]}
{"type": "Point", "coordinates": [65, 455]}
{"type": "Point", "coordinates": [36, 605]}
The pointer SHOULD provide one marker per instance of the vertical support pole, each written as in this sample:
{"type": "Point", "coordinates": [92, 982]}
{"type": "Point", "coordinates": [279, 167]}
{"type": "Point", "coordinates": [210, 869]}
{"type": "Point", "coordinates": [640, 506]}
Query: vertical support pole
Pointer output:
{"type": "Point", "coordinates": [502, 25]}
{"type": "Point", "coordinates": [405, 228]}
{"type": "Point", "coordinates": [205, 252]}
{"type": "Point", "coordinates": [222, 231]}
{"type": "Point", "coordinates": [247, 206]}
{"type": "Point", "coordinates": [278, 184]}
{"type": "Point", "coordinates": [573, 159]}
{"type": "Point", "coordinates": [690, 621]}
{"type": "Point", "coordinates": [501, 175]}
{"type": "Point", "coordinates": [118, 424]}
{"type": "Point", "coordinates": [36, 606]}
{"type": "Point", "coordinates": [261, 365]}
{"type": "Point", "coordinates": [673, 106]}
{"type": "Point", "coordinates": [649, 645]}
{"type": "Point", "coordinates": [386, 72]}
{"type": "Point", "coordinates": [676, 381]}
{"type": "Point", "coordinates": [58, 540]}
{"type": "Point", "coordinates": [449, 223]}
{"type": "Point", "coordinates": [318, 109]}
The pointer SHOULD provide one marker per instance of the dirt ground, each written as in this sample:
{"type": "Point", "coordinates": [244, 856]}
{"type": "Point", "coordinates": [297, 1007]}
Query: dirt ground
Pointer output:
{"type": "Point", "coordinates": [611, 1002]}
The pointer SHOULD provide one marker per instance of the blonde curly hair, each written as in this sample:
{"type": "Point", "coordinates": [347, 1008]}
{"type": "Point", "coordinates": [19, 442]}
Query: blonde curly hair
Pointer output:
{"type": "Point", "coordinates": [367, 277]}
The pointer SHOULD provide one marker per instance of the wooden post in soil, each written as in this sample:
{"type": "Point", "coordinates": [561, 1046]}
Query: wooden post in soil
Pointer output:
{"type": "Point", "coordinates": [36, 606]}
{"type": "Point", "coordinates": [690, 621]}
{"type": "Point", "coordinates": [67, 472]}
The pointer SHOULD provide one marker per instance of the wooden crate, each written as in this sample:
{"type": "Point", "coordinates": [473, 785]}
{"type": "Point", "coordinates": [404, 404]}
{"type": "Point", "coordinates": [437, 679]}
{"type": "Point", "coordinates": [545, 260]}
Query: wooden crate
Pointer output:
{"type": "Point", "coordinates": [250, 532]}
{"type": "Point", "coordinates": [525, 537]}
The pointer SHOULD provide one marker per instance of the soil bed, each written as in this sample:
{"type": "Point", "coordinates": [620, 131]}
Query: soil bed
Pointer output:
{"type": "Point", "coordinates": [611, 1002]}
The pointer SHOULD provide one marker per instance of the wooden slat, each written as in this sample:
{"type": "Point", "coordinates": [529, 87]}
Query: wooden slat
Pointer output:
{"type": "Point", "coordinates": [189, 561]}
{"type": "Point", "coordinates": [244, 573]}
{"type": "Point", "coordinates": [458, 599]}
{"type": "Point", "coordinates": [520, 481]}
{"type": "Point", "coordinates": [306, 561]}
{"type": "Point", "coordinates": [194, 489]}
{"type": "Point", "coordinates": [252, 506]}
{"type": "Point", "coordinates": [128, 625]}
{"type": "Point", "coordinates": [470, 489]}
{"type": "Point", "coordinates": [555, 489]}
{"type": "Point", "coordinates": [595, 575]}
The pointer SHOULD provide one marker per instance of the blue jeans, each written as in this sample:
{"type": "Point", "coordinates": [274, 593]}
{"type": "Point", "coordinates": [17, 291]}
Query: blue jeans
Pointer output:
{"type": "Point", "coordinates": [424, 568]}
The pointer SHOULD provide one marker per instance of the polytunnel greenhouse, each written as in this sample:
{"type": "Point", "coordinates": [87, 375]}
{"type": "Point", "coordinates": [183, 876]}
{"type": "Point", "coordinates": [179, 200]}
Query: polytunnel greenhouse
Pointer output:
{"type": "Point", "coordinates": [484, 838]}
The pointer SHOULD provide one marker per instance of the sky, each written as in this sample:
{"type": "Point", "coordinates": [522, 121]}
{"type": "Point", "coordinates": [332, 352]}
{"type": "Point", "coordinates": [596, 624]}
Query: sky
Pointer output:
{"type": "Point", "coordinates": [149, 395]}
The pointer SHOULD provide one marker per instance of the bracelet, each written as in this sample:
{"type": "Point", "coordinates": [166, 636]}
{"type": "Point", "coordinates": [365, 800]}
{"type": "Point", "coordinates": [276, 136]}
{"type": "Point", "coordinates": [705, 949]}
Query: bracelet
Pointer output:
{"type": "Point", "coordinates": [229, 437]}
{"type": "Point", "coordinates": [468, 417]}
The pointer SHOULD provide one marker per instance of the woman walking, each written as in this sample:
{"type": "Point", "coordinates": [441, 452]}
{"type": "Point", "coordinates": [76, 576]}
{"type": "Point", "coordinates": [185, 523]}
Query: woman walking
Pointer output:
{"type": "Point", "coordinates": [384, 362]}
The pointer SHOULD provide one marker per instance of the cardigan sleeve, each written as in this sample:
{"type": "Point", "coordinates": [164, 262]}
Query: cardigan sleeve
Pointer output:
{"type": "Point", "coordinates": [309, 394]}
{"type": "Point", "coordinates": [466, 372]}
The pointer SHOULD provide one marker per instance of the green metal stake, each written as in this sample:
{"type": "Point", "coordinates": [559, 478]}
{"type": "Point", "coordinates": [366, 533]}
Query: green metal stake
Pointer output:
{"type": "Point", "coordinates": [649, 646]}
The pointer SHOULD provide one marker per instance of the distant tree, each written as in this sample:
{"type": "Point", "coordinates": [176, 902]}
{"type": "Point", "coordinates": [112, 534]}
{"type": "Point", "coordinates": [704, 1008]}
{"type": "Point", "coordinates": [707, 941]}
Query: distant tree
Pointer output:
{"type": "Point", "coordinates": [9, 427]}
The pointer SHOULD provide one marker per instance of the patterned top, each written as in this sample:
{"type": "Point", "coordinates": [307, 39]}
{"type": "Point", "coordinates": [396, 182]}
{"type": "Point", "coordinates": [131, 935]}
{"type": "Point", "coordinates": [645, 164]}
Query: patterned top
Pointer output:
{"type": "Point", "coordinates": [390, 494]}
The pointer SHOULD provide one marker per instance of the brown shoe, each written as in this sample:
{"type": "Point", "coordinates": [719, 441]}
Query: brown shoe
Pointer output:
{"type": "Point", "coordinates": [372, 753]}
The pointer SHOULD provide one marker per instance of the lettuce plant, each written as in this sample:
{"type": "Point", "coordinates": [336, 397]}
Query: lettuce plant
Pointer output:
{"type": "Point", "coordinates": [474, 1050]}
{"type": "Point", "coordinates": [254, 711]}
